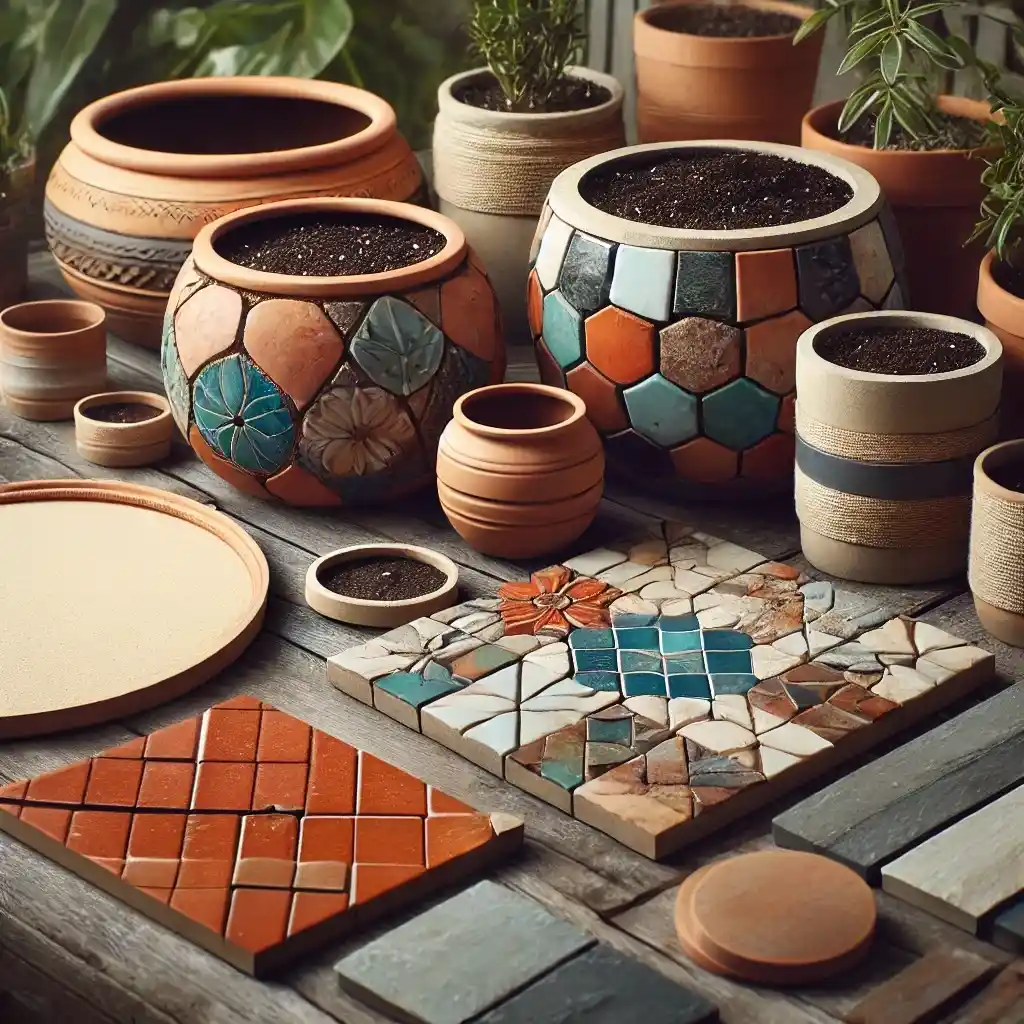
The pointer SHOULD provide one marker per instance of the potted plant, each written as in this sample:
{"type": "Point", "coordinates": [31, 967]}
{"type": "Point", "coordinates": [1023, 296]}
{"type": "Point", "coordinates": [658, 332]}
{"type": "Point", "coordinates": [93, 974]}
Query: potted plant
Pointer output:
{"type": "Point", "coordinates": [671, 283]}
{"type": "Point", "coordinates": [503, 132]}
{"type": "Point", "coordinates": [921, 145]}
{"type": "Point", "coordinates": [313, 348]}
{"type": "Point", "coordinates": [712, 70]}
{"type": "Point", "coordinates": [892, 410]}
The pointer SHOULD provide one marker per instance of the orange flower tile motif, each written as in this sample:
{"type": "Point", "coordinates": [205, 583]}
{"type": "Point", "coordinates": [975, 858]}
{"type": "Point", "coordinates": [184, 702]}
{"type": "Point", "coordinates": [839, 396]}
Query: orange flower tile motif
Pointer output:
{"type": "Point", "coordinates": [554, 601]}
{"type": "Point", "coordinates": [255, 827]}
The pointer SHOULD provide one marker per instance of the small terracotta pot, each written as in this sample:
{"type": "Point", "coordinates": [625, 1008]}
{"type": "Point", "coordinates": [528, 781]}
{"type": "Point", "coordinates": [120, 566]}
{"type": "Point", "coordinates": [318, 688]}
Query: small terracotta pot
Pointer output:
{"type": "Point", "coordinates": [883, 461]}
{"type": "Point", "coordinates": [148, 167]}
{"type": "Point", "coordinates": [124, 444]}
{"type": "Point", "coordinates": [701, 87]}
{"type": "Point", "coordinates": [15, 210]}
{"type": "Point", "coordinates": [1004, 316]}
{"type": "Point", "coordinates": [52, 353]}
{"type": "Point", "coordinates": [996, 569]}
{"type": "Point", "coordinates": [934, 195]}
{"type": "Point", "coordinates": [520, 469]}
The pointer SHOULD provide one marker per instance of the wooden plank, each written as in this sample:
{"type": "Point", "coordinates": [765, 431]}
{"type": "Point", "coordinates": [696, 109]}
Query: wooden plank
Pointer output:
{"type": "Point", "coordinates": [1008, 927]}
{"type": "Point", "coordinates": [1001, 1003]}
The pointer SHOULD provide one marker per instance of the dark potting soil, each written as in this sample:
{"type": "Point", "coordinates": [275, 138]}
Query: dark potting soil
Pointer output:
{"type": "Point", "coordinates": [1009, 278]}
{"type": "Point", "coordinates": [1010, 476]}
{"type": "Point", "coordinates": [570, 93]}
{"type": "Point", "coordinates": [715, 190]}
{"type": "Point", "coordinates": [122, 412]}
{"type": "Point", "coordinates": [382, 579]}
{"type": "Point", "coordinates": [723, 21]}
{"type": "Point", "coordinates": [903, 351]}
{"type": "Point", "coordinates": [329, 245]}
{"type": "Point", "coordinates": [953, 133]}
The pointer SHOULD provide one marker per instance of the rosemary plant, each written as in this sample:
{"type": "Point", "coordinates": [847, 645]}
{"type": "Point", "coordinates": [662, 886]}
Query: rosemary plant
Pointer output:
{"type": "Point", "coordinates": [1002, 209]}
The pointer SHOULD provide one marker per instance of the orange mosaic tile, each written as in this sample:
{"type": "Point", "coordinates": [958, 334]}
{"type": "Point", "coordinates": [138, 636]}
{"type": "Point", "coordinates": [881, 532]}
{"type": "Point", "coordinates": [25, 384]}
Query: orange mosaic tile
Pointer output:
{"type": "Point", "coordinates": [131, 750]}
{"type": "Point", "coordinates": [224, 786]}
{"type": "Point", "coordinates": [385, 789]}
{"type": "Point", "coordinates": [769, 459]}
{"type": "Point", "coordinates": [297, 486]}
{"type": "Point", "coordinates": [765, 283]}
{"type": "Point", "coordinates": [310, 908]}
{"type": "Point", "coordinates": [771, 351]}
{"type": "Point", "coordinates": [442, 803]}
{"type": "Point", "coordinates": [229, 735]}
{"type": "Point", "coordinates": [535, 304]}
{"type": "Point", "coordinates": [280, 787]}
{"type": "Point", "coordinates": [454, 835]}
{"type": "Point", "coordinates": [208, 853]}
{"type": "Point", "coordinates": [208, 907]}
{"type": "Point", "coordinates": [787, 415]}
{"type": "Point", "coordinates": [371, 880]}
{"type": "Point", "coordinates": [332, 776]}
{"type": "Point", "coordinates": [102, 836]}
{"type": "Point", "coordinates": [51, 821]}
{"type": "Point", "coordinates": [283, 738]}
{"type": "Point", "coordinates": [175, 743]}
{"type": "Point", "coordinates": [620, 345]}
{"type": "Point", "coordinates": [389, 841]}
{"type": "Point", "coordinates": [325, 853]}
{"type": "Point", "coordinates": [64, 786]}
{"type": "Point", "coordinates": [166, 785]}
{"type": "Point", "coordinates": [154, 850]}
{"type": "Point", "coordinates": [13, 791]}
{"type": "Point", "coordinates": [258, 918]}
{"type": "Point", "coordinates": [604, 406]}
{"type": "Point", "coordinates": [266, 855]}
{"type": "Point", "coordinates": [113, 782]}
{"type": "Point", "coordinates": [704, 461]}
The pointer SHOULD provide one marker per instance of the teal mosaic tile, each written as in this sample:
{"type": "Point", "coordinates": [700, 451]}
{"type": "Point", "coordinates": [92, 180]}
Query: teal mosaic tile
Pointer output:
{"type": "Point", "coordinates": [639, 684]}
{"type": "Point", "coordinates": [629, 620]}
{"type": "Point", "coordinates": [397, 347]}
{"type": "Point", "coordinates": [680, 643]}
{"type": "Point", "coordinates": [690, 685]}
{"type": "Point", "coordinates": [732, 683]}
{"type": "Point", "coordinates": [639, 661]}
{"type": "Point", "coordinates": [726, 640]}
{"type": "Point", "coordinates": [614, 731]}
{"type": "Point", "coordinates": [740, 414]}
{"type": "Point", "coordinates": [607, 681]}
{"type": "Point", "coordinates": [586, 272]}
{"type": "Point", "coordinates": [705, 285]}
{"type": "Point", "coordinates": [661, 412]}
{"type": "Point", "coordinates": [728, 661]}
{"type": "Point", "coordinates": [419, 688]}
{"type": "Point", "coordinates": [563, 330]}
{"type": "Point", "coordinates": [681, 664]}
{"type": "Point", "coordinates": [586, 639]}
{"type": "Point", "coordinates": [640, 639]}
{"type": "Point", "coordinates": [678, 623]}
{"type": "Point", "coordinates": [642, 281]}
{"type": "Point", "coordinates": [602, 659]}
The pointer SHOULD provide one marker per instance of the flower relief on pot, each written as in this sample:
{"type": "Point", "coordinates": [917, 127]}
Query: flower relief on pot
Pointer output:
{"type": "Point", "coordinates": [313, 351]}
{"type": "Point", "coordinates": [669, 285]}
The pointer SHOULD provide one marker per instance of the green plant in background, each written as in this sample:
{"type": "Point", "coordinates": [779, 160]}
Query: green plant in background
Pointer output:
{"type": "Point", "coordinates": [527, 45]}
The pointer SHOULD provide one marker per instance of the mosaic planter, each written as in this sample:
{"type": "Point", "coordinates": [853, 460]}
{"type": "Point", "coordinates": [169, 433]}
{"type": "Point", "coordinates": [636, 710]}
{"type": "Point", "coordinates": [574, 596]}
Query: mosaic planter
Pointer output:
{"type": "Point", "coordinates": [327, 390]}
{"type": "Point", "coordinates": [884, 461]}
{"type": "Point", "coordinates": [683, 343]}
{"type": "Point", "coordinates": [131, 190]}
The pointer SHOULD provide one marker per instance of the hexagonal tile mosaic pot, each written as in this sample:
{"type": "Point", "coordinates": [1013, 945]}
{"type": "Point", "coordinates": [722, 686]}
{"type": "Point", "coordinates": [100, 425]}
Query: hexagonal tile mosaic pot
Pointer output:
{"type": "Point", "coordinates": [327, 390]}
{"type": "Point", "coordinates": [683, 343]}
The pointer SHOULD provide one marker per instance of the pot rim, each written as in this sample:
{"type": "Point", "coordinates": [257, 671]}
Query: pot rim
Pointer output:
{"type": "Point", "coordinates": [86, 127]}
{"type": "Point", "coordinates": [95, 314]}
{"type": "Point", "coordinates": [579, 409]}
{"type": "Point", "coordinates": [150, 398]}
{"type": "Point", "coordinates": [998, 455]}
{"type": "Point", "coordinates": [644, 25]}
{"type": "Point", "coordinates": [995, 303]}
{"type": "Point", "coordinates": [570, 206]}
{"type": "Point", "coordinates": [210, 262]}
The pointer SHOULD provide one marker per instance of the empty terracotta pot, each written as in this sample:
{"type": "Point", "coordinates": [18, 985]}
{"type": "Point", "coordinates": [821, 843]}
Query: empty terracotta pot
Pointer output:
{"type": "Point", "coordinates": [147, 168]}
{"type": "Point", "coordinates": [520, 469]}
{"type": "Point", "coordinates": [123, 428]}
{"type": "Point", "coordinates": [934, 195]}
{"type": "Point", "coordinates": [1004, 316]}
{"type": "Point", "coordinates": [713, 87]}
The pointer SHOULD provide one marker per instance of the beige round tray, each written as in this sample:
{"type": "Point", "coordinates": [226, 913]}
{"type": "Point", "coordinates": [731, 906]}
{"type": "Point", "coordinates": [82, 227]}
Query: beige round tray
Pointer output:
{"type": "Point", "coordinates": [115, 598]}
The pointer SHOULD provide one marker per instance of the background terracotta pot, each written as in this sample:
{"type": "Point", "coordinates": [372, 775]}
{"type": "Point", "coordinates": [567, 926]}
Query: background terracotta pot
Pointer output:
{"type": "Point", "coordinates": [324, 390]}
{"type": "Point", "coordinates": [700, 87]}
{"type": "Point", "coordinates": [147, 168]}
{"type": "Point", "coordinates": [520, 470]}
{"type": "Point", "coordinates": [884, 461]}
{"type": "Point", "coordinates": [935, 197]}
{"type": "Point", "coordinates": [1004, 316]}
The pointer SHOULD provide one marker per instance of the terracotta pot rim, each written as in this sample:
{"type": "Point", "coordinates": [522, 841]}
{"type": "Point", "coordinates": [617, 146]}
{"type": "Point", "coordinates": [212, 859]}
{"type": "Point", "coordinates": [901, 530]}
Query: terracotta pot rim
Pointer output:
{"type": "Point", "coordinates": [998, 455]}
{"type": "Point", "coordinates": [995, 303]}
{"type": "Point", "coordinates": [646, 30]}
{"type": "Point", "coordinates": [577, 405]}
{"type": "Point", "coordinates": [90, 310]}
{"type": "Point", "coordinates": [150, 398]}
{"type": "Point", "coordinates": [210, 262]}
{"type": "Point", "coordinates": [86, 127]}
{"type": "Point", "coordinates": [570, 206]}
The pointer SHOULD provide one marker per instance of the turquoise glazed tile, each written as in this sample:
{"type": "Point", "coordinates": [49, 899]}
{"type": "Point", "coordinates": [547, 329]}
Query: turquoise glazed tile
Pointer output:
{"type": "Point", "coordinates": [628, 620]}
{"type": "Point", "coordinates": [417, 689]}
{"type": "Point", "coordinates": [732, 683]}
{"type": "Point", "coordinates": [726, 640]}
{"type": "Point", "coordinates": [689, 685]}
{"type": "Point", "coordinates": [595, 660]}
{"type": "Point", "coordinates": [639, 661]}
{"type": "Point", "coordinates": [397, 347]}
{"type": "Point", "coordinates": [728, 661]}
{"type": "Point", "coordinates": [637, 639]}
{"type": "Point", "coordinates": [608, 682]}
{"type": "Point", "coordinates": [642, 281]}
{"type": "Point", "coordinates": [827, 277]}
{"type": "Point", "coordinates": [643, 684]}
{"type": "Point", "coordinates": [481, 662]}
{"type": "Point", "coordinates": [174, 377]}
{"type": "Point", "coordinates": [584, 278]}
{"type": "Point", "coordinates": [706, 285]}
{"type": "Point", "coordinates": [609, 731]}
{"type": "Point", "coordinates": [682, 664]}
{"type": "Point", "coordinates": [678, 624]}
{"type": "Point", "coordinates": [580, 639]}
{"type": "Point", "coordinates": [740, 414]}
{"type": "Point", "coordinates": [562, 330]}
{"type": "Point", "coordinates": [680, 643]}
{"type": "Point", "coordinates": [662, 412]}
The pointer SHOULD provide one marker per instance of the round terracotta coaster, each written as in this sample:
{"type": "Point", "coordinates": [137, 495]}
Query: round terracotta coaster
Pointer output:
{"type": "Point", "coordinates": [115, 598]}
{"type": "Point", "coordinates": [776, 917]}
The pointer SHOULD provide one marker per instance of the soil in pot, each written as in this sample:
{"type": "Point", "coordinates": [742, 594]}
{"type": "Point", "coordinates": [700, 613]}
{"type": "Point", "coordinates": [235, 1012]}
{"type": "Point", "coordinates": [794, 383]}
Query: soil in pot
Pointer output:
{"type": "Point", "coordinates": [1009, 475]}
{"type": "Point", "coordinates": [1009, 278]}
{"type": "Point", "coordinates": [715, 190]}
{"type": "Point", "coordinates": [953, 133]}
{"type": "Point", "coordinates": [569, 93]}
{"type": "Point", "coordinates": [900, 351]}
{"type": "Point", "coordinates": [382, 579]}
{"type": "Point", "coordinates": [329, 245]}
{"type": "Point", "coordinates": [725, 22]}
{"type": "Point", "coordinates": [122, 412]}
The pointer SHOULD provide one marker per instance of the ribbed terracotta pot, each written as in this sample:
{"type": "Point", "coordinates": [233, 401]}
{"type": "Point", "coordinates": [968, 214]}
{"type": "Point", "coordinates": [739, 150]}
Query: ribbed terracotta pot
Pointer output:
{"type": "Point", "coordinates": [996, 570]}
{"type": "Point", "coordinates": [147, 168]}
{"type": "Point", "coordinates": [702, 87]}
{"type": "Point", "coordinates": [1004, 316]}
{"type": "Point", "coordinates": [520, 470]}
{"type": "Point", "coordinates": [327, 390]}
{"type": "Point", "coordinates": [934, 195]}
{"type": "Point", "coordinates": [884, 461]}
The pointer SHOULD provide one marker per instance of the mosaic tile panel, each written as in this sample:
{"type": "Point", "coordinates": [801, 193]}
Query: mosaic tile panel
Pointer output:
{"type": "Point", "coordinates": [251, 833]}
{"type": "Point", "coordinates": [662, 685]}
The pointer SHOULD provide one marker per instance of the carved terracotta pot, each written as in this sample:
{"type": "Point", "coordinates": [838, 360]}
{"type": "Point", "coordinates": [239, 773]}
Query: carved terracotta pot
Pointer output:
{"type": "Point", "coordinates": [147, 168]}
{"type": "Point", "coordinates": [327, 390]}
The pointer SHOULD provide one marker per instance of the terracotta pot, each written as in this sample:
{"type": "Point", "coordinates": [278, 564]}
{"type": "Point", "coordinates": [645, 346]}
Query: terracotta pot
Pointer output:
{"type": "Point", "coordinates": [520, 470]}
{"type": "Point", "coordinates": [883, 463]}
{"type": "Point", "coordinates": [701, 87]}
{"type": "Point", "coordinates": [52, 353]}
{"type": "Point", "coordinates": [935, 198]}
{"type": "Point", "coordinates": [147, 168]}
{"type": "Point", "coordinates": [324, 390]}
{"type": "Point", "coordinates": [15, 211]}
{"type": "Point", "coordinates": [683, 343]}
{"type": "Point", "coordinates": [123, 444]}
{"type": "Point", "coordinates": [1004, 316]}
{"type": "Point", "coordinates": [997, 547]}
{"type": "Point", "coordinates": [493, 169]}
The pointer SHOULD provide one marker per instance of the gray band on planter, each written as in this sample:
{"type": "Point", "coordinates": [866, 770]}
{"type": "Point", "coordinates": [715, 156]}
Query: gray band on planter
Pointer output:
{"type": "Point", "coordinates": [912, 481]}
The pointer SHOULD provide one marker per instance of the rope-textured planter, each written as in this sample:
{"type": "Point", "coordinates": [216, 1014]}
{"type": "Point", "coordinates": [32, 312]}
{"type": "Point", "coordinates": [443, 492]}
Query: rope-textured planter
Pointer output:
{"type": "Point", "coordinates": [883, 462]}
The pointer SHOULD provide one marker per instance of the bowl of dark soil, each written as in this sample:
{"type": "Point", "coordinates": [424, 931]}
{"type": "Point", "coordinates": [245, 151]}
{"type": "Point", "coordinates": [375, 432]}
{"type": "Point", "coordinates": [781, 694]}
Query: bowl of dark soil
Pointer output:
{"type": "Point", "coordinates": [893, 408]}
{"type": "Point", "coordinates": [313, 349]}
{"type": "Point", "coordinates": [671, 283]}
{"type": "Point", "coordinates": [381, 585]}
{"type": "Point", "coordinates": [123, 428]}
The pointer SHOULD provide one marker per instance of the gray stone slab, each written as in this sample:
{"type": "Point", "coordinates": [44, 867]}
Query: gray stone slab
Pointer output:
{"type": "Point", "coordinates": [1008, 927]}
{"type": "Point", "coordinates": [889, 806]}
{"type": "Point", "coordinates": [461, 957]}
{"type": "Point", "coordinates": [603, 987]}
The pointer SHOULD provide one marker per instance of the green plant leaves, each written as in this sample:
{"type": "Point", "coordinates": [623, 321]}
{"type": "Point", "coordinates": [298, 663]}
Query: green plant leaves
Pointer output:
{"type": "Point", "coordinates": [892, 57]}
{"type": "Point", "coordinates": [872, 43]}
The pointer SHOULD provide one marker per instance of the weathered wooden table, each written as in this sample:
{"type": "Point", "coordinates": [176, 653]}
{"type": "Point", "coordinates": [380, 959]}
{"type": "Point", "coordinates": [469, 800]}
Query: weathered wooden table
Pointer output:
{"type": "Point", "coordinates": [69, 952]}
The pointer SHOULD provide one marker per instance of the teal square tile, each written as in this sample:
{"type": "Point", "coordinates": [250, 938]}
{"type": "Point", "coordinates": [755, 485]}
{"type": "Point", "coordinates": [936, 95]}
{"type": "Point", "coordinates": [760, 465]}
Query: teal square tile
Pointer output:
{"type": "Point", "coordinates": [566, 774]}
{"type": "Point", "coordinates": [631, 620]}
{"type": "Point", "coordinates": [728, 661]}
{"type": "Point", "coordinates": [607, 681]}
{"type": "Point", "coordinates": [639, 661]}
{"type": "Point", "coordinates": [642, 639]}
{"type": "Point", "coordinates": [618, 730]}
{"type": "Point", "coordinates": [589, 639]}
{"type": "Point", "coordinates": [740, 414]}
{"type": "Point", "coordinates": [598, 660]}
{"type": "Point", "coordinates": [689, 685]}
{"type": "Point", "coordinates": [705, 285]}
{"type": "Point", "coordinates": [680, 643]}
{"type": "Point", "coordinates": [661, 412]}
{"type": "Point", "coordinates": [726, 640]}
{"type": "Point", "coordinates": [681, 664]}
{"type": "Point", "coordinates": [678, 624]}
{"type": "Point", "coordinates": [732, 683]}
{"type": "Point", "coordinates": [414, 689]}
{"type": "Point", "coordinates": [643, 684]}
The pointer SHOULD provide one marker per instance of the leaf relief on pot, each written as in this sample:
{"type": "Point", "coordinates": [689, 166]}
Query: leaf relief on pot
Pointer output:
{"type": "Point", "coordinates": [397, 347]}
{"type": "Point", "coordinates": [175, 381]}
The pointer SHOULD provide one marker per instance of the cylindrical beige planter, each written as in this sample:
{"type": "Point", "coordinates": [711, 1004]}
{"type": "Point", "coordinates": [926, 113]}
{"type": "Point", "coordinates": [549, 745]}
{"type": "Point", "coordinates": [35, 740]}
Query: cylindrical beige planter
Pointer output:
{"type": "Point", "coordinates": [52, 353]}
{"type": "Point", "coordinates": [123, 444]}
{"type": "Point", "coordinates": [492, 171]}
{"type": "Point", "coordinates": [883, 461]}
{"type": "Point", "coordinates": [996, 569]}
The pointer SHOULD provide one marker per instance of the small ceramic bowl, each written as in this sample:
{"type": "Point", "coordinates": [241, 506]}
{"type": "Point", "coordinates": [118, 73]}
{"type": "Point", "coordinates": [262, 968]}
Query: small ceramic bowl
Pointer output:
{"type": "Point", "coordinates": [380, 614]}
{"type": "Point", "coordinates": [119, 444]}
